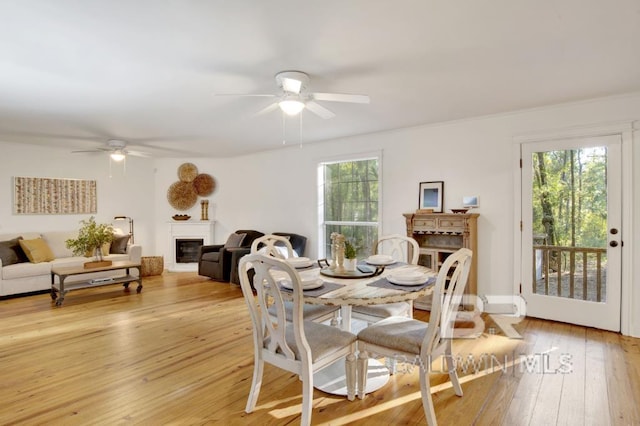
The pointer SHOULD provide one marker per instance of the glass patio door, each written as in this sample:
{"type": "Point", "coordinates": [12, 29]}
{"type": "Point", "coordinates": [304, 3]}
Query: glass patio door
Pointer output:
{"type": "Point", "coordinates": [571, 219]}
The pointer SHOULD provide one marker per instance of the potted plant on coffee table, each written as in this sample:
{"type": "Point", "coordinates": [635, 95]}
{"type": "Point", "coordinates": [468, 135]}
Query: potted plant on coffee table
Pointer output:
{"type": "Point", "coordinates": [92, 237]}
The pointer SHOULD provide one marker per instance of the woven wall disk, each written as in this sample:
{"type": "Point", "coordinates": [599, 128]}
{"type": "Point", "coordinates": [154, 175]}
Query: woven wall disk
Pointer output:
{"type": "Point", "coordinates": [187, 172]}
{"type": "Point", "coordinates": [204, 184]}
{"type": "Point", "coordinates": [182, 195]}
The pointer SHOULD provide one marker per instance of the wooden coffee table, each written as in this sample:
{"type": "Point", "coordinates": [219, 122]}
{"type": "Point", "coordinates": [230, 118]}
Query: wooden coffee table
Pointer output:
{"type": "Point", "coordinates": [63, 272]}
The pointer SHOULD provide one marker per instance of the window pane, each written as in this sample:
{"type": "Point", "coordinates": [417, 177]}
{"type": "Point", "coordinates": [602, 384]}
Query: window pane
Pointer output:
{"type": "Point", "coordinates": [351, 195]}
{"type": "Point", "coordinates": [351, 191]}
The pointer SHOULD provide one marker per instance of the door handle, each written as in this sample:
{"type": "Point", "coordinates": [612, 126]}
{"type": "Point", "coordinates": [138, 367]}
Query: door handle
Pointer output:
{"type": "Point", "coordinates": [614, 231]}
{"type": "Point", "coordinates": [613, 244]}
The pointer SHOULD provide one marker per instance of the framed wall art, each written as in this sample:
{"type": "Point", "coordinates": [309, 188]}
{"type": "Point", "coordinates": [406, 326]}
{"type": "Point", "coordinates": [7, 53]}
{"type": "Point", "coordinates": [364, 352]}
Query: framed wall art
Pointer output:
{"type": "Point", "coordinates": [54, 196]}
{"type": "Point", "coordinates": [431, 195]}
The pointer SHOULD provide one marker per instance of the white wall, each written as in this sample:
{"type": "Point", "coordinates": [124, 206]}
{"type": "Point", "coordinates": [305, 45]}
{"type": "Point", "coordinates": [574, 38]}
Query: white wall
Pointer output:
{"type": "Point", "coordinates": [128, 194]}
{"type": "Point", "coordinates": [276, 190]}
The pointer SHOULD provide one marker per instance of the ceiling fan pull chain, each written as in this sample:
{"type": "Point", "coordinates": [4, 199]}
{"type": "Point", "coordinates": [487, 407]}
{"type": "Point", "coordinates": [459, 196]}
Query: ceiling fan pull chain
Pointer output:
{"type": "Point", "coordinates": [284, 129]}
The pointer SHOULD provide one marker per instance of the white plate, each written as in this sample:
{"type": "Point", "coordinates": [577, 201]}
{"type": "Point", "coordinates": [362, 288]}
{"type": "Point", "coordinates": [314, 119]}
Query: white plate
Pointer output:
{"type": "Point", "coordinates": [299, 262]}
{"type": "Point", "coordinates": [406, 279]}
{"type": "Point", "coordinates": [306, 285]}
{"type": "Point", "coordinates": [380, 260]}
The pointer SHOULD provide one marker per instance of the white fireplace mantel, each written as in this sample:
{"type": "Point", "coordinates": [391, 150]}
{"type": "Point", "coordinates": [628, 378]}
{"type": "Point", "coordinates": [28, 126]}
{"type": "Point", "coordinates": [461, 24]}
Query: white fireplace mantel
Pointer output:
{"type": "Point", "coordinates": [184, 230]}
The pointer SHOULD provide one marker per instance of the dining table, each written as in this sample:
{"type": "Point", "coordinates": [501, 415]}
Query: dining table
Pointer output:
{"type": "Point", "coordinates": [369, 284]}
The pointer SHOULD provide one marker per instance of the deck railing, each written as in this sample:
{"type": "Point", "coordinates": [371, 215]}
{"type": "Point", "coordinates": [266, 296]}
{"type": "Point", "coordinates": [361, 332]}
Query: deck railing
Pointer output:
{"type": "Point", "coordinates": [578, 268]}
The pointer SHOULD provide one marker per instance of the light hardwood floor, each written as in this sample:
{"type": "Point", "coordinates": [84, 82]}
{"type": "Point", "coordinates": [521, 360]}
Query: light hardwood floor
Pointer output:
{"type": "Point", "coordinates": [180, 353]}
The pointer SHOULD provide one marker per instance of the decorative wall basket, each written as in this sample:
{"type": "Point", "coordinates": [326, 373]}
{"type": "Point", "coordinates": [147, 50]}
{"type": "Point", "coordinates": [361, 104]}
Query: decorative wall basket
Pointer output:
{"type": "Point", "coordinates": [187, 172]}
{"type": "Point", "coordinates": [204, 184]}
{"type": "Point", "coordinates": [182, 195]}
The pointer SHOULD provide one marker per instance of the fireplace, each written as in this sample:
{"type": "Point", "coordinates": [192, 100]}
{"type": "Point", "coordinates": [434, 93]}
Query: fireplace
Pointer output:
{"type": "Point", "coordinates": [185, 239]}
{"type": "Point", "coordinates": [187, 249]}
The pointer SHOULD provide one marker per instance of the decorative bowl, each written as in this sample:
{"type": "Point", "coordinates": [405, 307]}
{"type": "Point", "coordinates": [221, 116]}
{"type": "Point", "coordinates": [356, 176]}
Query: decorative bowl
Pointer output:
{"type": "Point", "coordinates": [459, 211]}
{"type": "Point", "coordinates": [181, 217]}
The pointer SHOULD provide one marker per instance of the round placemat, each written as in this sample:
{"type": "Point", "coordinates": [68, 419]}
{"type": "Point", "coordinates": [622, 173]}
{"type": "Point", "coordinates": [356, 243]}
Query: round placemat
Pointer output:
{"type": "Point", "coordinates": [187, 172]}
{"type": "Point", "coordinates": [182, 195]}
{"type": "Point", "coordinates": [204, 184]}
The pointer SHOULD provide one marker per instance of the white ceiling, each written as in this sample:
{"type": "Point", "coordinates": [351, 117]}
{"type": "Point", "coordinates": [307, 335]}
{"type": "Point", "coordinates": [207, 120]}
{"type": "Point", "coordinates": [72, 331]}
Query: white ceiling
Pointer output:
{"type": "Point", "coordinates": [76, 73]}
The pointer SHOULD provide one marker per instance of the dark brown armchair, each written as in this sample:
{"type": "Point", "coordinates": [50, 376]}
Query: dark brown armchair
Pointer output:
{"type": "Point", "coordinates": [216, 261]}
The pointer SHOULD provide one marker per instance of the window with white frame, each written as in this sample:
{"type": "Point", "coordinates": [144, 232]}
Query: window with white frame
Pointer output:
{"type": "Point", "coordinates": [349, 195]}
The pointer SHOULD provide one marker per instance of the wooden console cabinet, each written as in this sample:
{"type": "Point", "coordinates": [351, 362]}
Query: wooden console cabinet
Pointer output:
{"type": "Point", "coordinates": [439, 235]}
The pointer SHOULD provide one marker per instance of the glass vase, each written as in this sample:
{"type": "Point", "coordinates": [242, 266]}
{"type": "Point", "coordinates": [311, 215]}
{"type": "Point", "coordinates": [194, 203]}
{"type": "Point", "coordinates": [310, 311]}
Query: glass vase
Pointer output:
{"type": "Point", "coordinates": [98, 254]}
{"type": "Point", "coordinates": [340, 256]}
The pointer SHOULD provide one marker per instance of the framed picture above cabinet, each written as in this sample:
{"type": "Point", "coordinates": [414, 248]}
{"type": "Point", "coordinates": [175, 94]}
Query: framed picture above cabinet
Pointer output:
{"type": "Point", "coordinates": [431, 196]}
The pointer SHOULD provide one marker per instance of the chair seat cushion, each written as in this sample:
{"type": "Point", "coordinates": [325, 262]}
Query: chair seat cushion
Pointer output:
{"type": "Point", "coordinates": [213, 256]}
{"type": "Point", "coordinates": [323, 339]}
{"type": "Point", "coordinates": [309, 313]}
{"type": "Point", "coordinates": [400, 333]}
{"type": "Point", "coordinates": [384, 310]}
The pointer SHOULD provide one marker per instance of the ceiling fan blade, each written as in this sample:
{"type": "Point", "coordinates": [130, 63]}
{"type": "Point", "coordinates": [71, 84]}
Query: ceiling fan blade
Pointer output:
{"type": "Point", "coordinates": [138, 154]}
{"type": "Point", "coordinates": [341, 97]}
{"type": "Point", "coordinates": [268, 109]}
{"type": "Point", "coordinates": [319, 110]}
{"type": "Point", "coordinates": [263, 95]}
{"type": "Point", "coordinates": [90, 150]}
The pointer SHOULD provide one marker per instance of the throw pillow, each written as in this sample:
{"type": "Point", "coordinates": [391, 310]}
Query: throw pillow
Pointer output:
{"type": "Point", "coordinates": [119, 244]}
{"type": "Point", "coordinates": [234, 240]}
{"type": "Point", "coordinates": [8, 256]}
{"type": "Point", "coordinates": [106, 249]}
{"type": "Point", "coordinates": [15, 246]}
{"type": "Point", "coordinates": [37, 250]}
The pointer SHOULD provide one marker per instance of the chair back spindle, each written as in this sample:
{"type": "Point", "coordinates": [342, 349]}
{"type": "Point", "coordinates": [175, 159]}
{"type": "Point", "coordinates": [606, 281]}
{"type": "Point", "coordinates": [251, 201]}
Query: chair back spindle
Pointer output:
{"type": "Point", "coordinates": [271, 245]}
{"type": "Point", "coordinates": [268, 293]}
{"type": "Point", "coordinates": [449, 289]}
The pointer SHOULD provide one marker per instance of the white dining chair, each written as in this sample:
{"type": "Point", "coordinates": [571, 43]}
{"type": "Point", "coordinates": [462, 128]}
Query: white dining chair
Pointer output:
{"type": "Point", "coordinates": [277, 246]}
{"type": "Point", "coordinates": [301, 347]}
{"type": "Point", "coordinates": [273, 245]}
{"type": "Point", "coordinates": [402, 249]}
{"type": "Point", "coordinates": [418, 341]}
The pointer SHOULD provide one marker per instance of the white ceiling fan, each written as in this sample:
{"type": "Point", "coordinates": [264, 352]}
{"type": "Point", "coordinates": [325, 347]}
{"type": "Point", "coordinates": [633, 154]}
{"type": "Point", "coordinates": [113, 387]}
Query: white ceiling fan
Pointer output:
{"type": "Point", "coordinates": [295, 96]}
{"type": "Point", "coordinates": [117, 149]}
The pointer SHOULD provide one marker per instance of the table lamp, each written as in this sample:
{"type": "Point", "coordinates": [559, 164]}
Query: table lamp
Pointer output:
{"type": "Point", "coordinates": [130, 225]}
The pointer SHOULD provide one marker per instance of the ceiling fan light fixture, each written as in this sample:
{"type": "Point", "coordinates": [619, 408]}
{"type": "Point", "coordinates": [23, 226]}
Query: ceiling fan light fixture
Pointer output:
{"type": "Point", "coordinates": [117, 156]}
{"type": "Point", "coordinates": [291, 106]}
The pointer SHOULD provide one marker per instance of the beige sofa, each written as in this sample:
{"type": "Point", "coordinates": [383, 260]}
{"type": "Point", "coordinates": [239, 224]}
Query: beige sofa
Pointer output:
{"type": "Point", "coordinates": [28, 277]}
